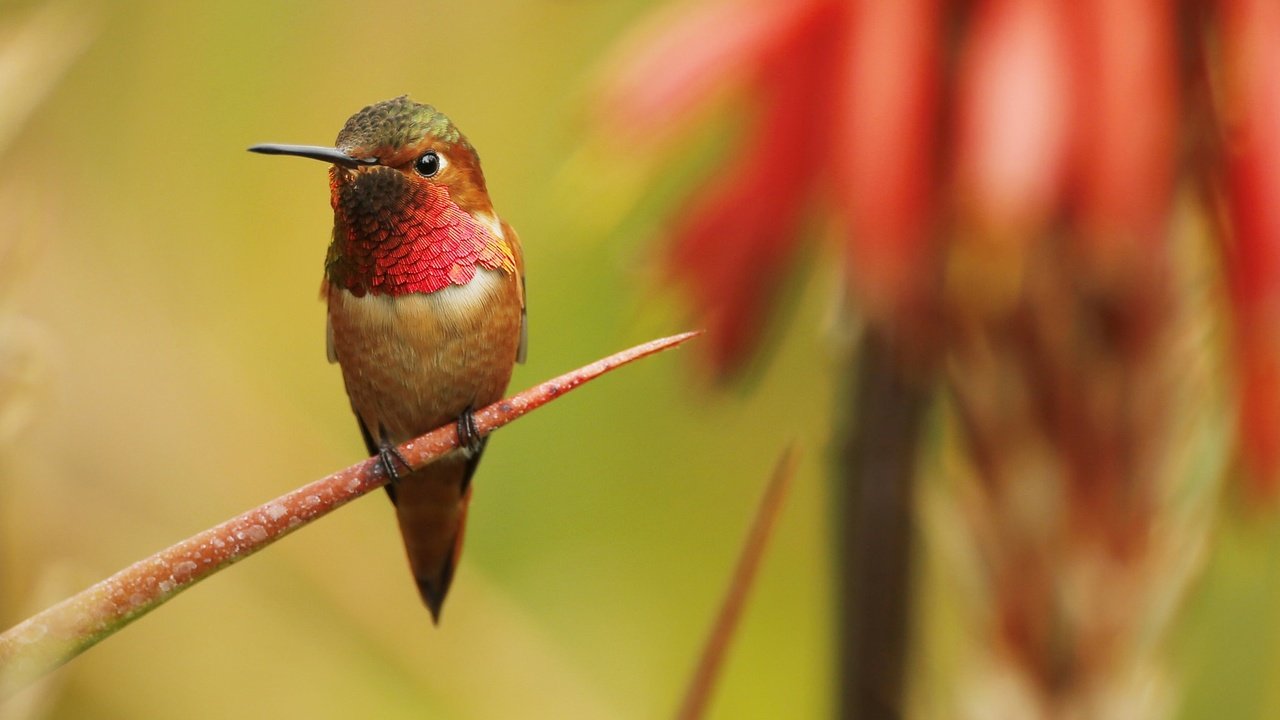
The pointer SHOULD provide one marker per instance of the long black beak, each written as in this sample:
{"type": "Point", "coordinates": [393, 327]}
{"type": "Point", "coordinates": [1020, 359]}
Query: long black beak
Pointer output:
{"type": "Point", "coordinates": [315, 152]}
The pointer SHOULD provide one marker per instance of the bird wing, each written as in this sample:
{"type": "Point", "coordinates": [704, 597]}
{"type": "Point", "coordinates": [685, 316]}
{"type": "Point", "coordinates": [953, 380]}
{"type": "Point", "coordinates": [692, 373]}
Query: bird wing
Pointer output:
{"type": "Point", "coordinates": [522, 351]}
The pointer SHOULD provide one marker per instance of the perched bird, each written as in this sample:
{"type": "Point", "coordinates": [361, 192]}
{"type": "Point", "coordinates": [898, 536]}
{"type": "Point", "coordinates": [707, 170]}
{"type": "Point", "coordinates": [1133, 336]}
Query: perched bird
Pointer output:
{"type": "Point", "coordinates": [426, 305]}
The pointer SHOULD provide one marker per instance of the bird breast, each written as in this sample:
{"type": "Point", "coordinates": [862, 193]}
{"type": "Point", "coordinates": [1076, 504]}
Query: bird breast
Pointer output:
{"type": "Point", "coordinates": [414, 362]}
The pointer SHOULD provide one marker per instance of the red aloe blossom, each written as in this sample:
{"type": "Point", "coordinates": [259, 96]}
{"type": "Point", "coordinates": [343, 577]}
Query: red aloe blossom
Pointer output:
{"type": "Point", "coordinates": [1003, 174]}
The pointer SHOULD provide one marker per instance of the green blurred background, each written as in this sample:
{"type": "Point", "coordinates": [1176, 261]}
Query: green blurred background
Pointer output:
{"type": "Point", "coordinates": [173, 278]}
{"type": "Point", "coordinates": [167, 284]}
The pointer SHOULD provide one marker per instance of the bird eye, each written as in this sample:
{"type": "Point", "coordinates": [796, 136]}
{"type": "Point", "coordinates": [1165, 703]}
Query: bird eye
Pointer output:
{"type": "Point", "coordinates": [428, 165]}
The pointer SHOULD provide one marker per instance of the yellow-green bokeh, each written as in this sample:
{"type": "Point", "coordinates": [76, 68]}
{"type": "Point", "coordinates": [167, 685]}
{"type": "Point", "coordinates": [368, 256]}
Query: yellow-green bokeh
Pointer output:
{"type": "Point", "coordinates": [175, 278]}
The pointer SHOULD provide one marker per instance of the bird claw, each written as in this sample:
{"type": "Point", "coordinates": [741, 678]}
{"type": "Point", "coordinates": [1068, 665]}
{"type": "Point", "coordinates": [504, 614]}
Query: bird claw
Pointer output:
{"type": "Point", "coordinates": [469, 438]}
{"type": "Point", "coordinates": [388, 454]}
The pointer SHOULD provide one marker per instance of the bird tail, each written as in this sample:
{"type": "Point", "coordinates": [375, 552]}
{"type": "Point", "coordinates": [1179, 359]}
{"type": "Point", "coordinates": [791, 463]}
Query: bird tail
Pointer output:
{"type": "Point", "coordinates": [431, 505]}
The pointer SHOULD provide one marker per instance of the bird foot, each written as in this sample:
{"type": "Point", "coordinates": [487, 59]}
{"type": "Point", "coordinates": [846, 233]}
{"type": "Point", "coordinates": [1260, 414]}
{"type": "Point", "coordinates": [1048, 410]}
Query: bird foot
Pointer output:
{"type": "Point", "coordinates": [388, 455]}
{"type": "Point", "coordinates": [469, 438]}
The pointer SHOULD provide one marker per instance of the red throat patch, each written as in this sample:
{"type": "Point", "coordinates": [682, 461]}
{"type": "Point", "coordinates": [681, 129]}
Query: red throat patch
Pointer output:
{"type": "Point", "coordinates": [425, 244]}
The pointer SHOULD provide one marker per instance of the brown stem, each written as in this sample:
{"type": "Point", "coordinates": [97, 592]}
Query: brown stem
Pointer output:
{"type": "Point", "coordinates": [50, 638]}
{"type": "Point", "coordinates": [874, 529]}
{"type": "Point", "coordinates": [726, 622]}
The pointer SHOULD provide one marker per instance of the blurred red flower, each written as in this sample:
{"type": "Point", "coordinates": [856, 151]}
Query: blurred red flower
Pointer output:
{"type": "Point", "coordinates": [1006, 178]}
{"type": "Point", "coordinates": [734, 238]}
{"type": "Point", "coordinates": [1251, 34]}
{"type": "Point", "coordinates": [949, 141]}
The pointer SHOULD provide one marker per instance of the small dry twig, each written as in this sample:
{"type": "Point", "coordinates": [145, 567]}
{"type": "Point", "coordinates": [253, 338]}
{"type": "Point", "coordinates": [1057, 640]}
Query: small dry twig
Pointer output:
{"type": "Point", "coordinates": [704, 676]}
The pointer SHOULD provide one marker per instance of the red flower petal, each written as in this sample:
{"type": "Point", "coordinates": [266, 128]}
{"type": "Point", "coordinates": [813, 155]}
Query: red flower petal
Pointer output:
{"type": "Point", "coordinates": [1126, 119]}
{"type": "Point", "coordinates": [1014, 105]}
{"type": "Point", "coordinates": [1252, 55]}
{"type": "Point", "coordinates": [731, 247]}
{"type": "Point", "coordinates": [683, 55]}
{"type": "Point", "coordinates": [885, 152]}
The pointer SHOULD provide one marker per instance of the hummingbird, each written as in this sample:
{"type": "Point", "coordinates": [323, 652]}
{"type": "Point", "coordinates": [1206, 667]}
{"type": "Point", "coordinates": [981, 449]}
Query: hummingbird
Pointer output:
{"type": "Point", "coordinates": [426, 310]}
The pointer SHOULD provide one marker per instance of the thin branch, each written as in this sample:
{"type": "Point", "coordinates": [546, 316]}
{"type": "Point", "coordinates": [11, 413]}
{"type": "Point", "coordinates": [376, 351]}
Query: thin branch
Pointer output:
{"type": "Point", "coordinates": [704, 677]}
{"type": "Point", "coordinates": [49, 639]}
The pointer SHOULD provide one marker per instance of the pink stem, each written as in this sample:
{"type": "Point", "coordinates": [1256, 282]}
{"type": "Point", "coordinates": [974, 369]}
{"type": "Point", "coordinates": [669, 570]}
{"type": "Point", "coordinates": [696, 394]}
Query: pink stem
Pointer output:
{"type": "Point", "coordinates": [50, 638]}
